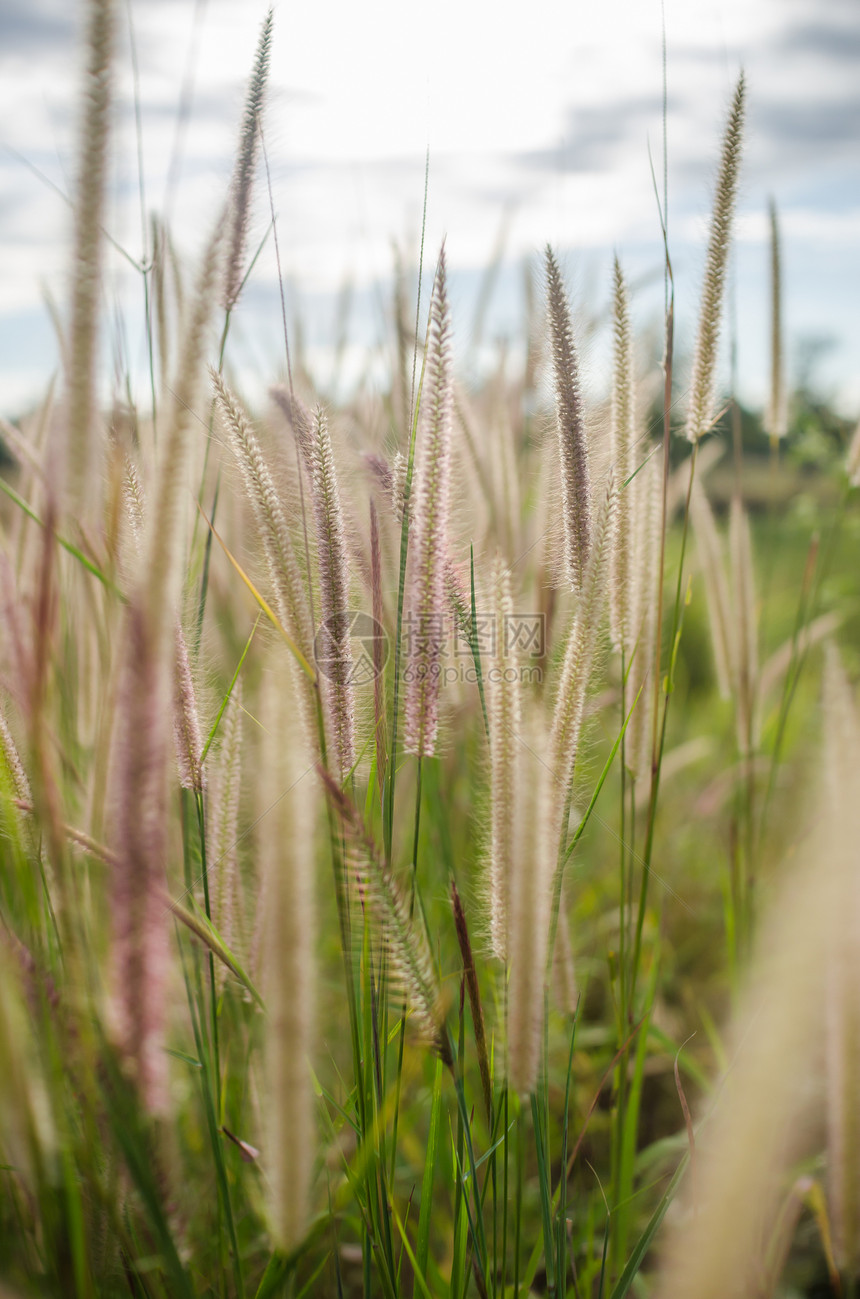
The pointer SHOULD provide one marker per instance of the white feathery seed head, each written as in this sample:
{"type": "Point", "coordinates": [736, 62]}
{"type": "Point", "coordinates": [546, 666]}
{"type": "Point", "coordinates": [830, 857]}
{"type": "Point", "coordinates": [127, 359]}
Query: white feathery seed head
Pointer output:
{"type": "Point", "coordinates": [622, 436]}
{"type": "Point", "coordinates": [575, 475]}
{"type": "Point", "coordinates": [425, 602]}
{"type": "Point", "coordinates": [702, 405]}
{"type": "Point", "coordinates": [504, 707]}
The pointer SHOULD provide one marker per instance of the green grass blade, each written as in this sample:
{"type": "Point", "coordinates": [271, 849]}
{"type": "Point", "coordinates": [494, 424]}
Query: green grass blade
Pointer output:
{"type": "Point", "coordinates": [634, 1262]}
{"type": "Point", "coordinates": [422, 1248]}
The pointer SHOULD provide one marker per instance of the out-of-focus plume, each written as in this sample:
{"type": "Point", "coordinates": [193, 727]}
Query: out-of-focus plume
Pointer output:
{"type": "Point", "coordinates": [81, 450]}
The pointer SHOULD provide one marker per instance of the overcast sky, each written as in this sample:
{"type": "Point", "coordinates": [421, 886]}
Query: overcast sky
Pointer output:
{"type": "Point", "coordinates": [538, 119]}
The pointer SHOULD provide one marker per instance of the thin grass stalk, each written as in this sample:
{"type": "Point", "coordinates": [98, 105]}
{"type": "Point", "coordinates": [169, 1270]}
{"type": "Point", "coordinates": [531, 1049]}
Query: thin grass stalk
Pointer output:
{"type": "Point", "coordinates": [698, 421]}
{"type": "Point", "coordinates": [470, 974]}
{"type": "Point", "coordinates": [710, 552]}
{"type": "Point", "coordinates": [744, 643]}
{"type": "Point", "coordinates": [641, 671]}
{"type": "Point", "coordinates": [775, 423]}
{"type": "Point", "coordinates": [745, 674]}
{"type": "Point", "coordinates": [162, 571]}
{"type": "Point", "coordinates": [660, 723]}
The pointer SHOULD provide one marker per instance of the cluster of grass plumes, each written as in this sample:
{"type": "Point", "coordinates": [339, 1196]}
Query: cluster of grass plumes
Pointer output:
{"type": "Point", "coordinates": [362, 886]}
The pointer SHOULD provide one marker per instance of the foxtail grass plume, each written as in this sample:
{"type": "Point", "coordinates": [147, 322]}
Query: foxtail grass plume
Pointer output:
{"type": "Point", "coordinates": [570, 426]}
{"type": "Point", "coordinates": [140, 844]}
{"type": "Point", "coordinates": [505, 716]}
{"type": "Point", "coordinates": [19, 785]}
{"type": "Point", "coordinates": [775, 422]}
{"type": "Point", "coordinates": [186, 720]}
{"type": "Point", "coordinates": [379, 730]}
{"type": "Point", "coordinates": [428, 532]}
{"type": "Point", "coordinates": [410, 962]}
{"type": "Point", "coordinates": [243, 173]}
{"type": "Point", "coordinates": [88, 243]}
{"type": "Point", "coordinates": [222, 826]}
{"type": "Point", "coordinates": [291, 601]}
{"type": "Point", "coordinates": [580, 652]}
{"type": "Point", "coordinates": [338, 686]}
{"type": "Point", "coordinates": [622, 434]}
{"type": "Point", "coordinates": [533, 859]}
{"type": "Point", "coordinates": [286, 846]}
{"type": "Point", "coordinates": [701, 410]}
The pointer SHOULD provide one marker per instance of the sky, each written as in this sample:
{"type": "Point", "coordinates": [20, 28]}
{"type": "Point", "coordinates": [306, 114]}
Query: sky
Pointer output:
{"type": "Point", "coordinates": [542, 121]}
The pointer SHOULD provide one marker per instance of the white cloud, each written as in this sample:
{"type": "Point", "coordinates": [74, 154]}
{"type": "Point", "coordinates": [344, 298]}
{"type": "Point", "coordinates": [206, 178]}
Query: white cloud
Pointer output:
{"type": "Point", "coordinates": [546, 119]}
